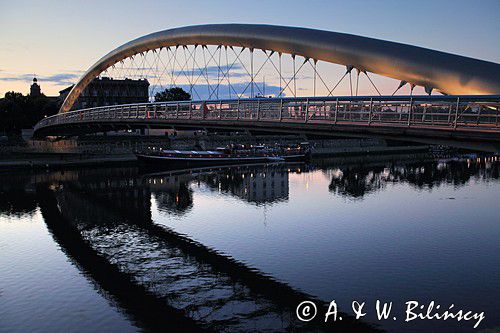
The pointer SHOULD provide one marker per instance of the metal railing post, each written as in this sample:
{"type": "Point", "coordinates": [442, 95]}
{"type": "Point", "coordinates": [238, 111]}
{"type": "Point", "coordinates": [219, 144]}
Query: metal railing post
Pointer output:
{"type": "Point", "coordinates": [336, 111]}
{"type": "Point", "coordinates": [258, 109]}
{"type": "Point", "coordinates": [370, 113]}
{"type": "Point", "coordinates": [307, 111]}
{"type": "Point", "coordinates": [177, 111]}
{"type": "Point", "coordinates": [190, 109]}
{"type": "Point", "coordinates": [456, 113]}
{"type": "Point", "coordinates": [238, 110]}
{"type": "Point", "coordinates": [281, 110]}
{"type": "Point", "coordinates": [410, 112]}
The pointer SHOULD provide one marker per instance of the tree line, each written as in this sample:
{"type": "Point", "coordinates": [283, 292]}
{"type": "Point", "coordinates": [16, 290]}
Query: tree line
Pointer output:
{"type": "Point", "coordinates": [18, 111]}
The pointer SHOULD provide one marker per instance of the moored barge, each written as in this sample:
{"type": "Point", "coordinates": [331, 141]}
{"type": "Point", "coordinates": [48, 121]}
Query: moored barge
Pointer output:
{"type": "Point", "coordinates": [234, 154]}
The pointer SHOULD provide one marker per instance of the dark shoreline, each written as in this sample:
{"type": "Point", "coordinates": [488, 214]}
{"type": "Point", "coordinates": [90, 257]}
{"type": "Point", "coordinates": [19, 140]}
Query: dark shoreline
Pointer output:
{"type": "Point", "coordinates": [40, 161]}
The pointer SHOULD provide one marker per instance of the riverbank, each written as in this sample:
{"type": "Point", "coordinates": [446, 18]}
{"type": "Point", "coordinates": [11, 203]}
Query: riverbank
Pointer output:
{"type": "Point", "coordinates": [98, 150]}
{"type": "Point", "coordinates": [57, 161]}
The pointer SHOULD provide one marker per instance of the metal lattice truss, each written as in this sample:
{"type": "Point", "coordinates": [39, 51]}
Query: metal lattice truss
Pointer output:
{"type": "Point", "coordinates": [214, 72]}
{"type": "Point", "coordinates": [242, 60]}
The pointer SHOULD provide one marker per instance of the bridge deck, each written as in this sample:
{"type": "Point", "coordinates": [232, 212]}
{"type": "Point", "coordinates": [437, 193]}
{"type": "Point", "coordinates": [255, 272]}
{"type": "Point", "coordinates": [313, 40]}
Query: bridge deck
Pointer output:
{"type": "Point", "coordinates": [457, 117]}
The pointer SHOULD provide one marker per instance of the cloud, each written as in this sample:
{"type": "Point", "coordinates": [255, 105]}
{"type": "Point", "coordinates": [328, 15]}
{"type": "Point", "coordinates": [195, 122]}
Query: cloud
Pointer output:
{"type": "Point", "coordinates": [212, 72]}
{"type": "Point", "coordinates": [21, 77]}
{"type": "Point", "coordinates": [61, 79]}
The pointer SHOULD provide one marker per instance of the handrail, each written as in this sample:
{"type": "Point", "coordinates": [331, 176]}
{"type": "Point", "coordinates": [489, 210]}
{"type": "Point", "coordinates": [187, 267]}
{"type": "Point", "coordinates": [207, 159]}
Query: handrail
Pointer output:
{"type": "Point", "coordinates": [454, 112]}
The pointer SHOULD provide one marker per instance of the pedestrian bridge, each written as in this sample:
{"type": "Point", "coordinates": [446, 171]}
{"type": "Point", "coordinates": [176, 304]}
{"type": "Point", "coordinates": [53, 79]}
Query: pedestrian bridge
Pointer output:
{"type": "Point", "coordinates": [275, 78]}
{"type": "Point", "coordinates": [475, 118]}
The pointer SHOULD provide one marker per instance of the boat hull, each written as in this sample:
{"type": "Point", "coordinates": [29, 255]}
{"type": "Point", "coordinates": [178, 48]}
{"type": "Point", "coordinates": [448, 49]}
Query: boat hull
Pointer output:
{"type": "Point", "coordinates": [192, 162]}
{"type": "Point", "coordinates": [295, 158]}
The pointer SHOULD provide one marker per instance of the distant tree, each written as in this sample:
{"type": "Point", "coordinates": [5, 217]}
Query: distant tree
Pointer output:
{"type": "Point", "coordinates": [172, 94]}
{"type": "Point", "coordinates": [13, 96]}
{"type": "Point", "coordinates": [18, 111]}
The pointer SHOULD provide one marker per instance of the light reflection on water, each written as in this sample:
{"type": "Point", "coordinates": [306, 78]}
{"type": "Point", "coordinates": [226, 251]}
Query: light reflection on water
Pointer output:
{"type": "Point", "coordinates": [40, 290]}
{"type": "Point", "coordinates": [351, 228]}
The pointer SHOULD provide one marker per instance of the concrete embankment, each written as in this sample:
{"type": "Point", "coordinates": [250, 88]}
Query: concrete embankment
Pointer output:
{"type": "Point", "coordinates": [119, 151]}
{"type": "Point", "coordinates": [60, 161]}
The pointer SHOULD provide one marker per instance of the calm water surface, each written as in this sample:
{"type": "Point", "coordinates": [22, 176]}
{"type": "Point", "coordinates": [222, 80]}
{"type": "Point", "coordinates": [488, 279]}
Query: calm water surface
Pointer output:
{"type": "Point", "coordinates": [236, 249]}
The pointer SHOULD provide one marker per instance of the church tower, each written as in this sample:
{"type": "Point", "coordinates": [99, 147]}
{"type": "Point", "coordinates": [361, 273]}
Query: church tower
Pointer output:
{"type": "Point", "coordinates": [35, 88]}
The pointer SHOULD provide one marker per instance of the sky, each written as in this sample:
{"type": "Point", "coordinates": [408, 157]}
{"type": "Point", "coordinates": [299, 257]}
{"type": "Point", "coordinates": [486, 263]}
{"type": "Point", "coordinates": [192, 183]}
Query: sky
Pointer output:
{"type": "Point", "coordinates": [59, 40]}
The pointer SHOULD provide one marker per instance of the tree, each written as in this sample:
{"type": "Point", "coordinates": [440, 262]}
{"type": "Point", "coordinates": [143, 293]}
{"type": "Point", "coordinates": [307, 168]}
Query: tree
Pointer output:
{"type": "Point", "coordinates": [18, 111]}
{"type": "Point", "coordinates": [172, 94]}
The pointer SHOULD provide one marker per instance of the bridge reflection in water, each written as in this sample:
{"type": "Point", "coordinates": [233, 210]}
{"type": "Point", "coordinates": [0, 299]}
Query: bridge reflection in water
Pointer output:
{"type": "Point", "coordinates": [112, 215]}
{"type": "Point", "coordinates": [161, 279]}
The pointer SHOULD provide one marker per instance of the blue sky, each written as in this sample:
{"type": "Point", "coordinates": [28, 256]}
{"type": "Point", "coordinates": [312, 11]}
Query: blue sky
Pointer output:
{"type": "Point", "coordinates": [58, 40]}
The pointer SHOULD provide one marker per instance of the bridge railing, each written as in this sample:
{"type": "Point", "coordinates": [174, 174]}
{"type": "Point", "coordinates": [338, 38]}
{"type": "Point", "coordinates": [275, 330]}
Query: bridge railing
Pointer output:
{"type": "Point", "coordinates": [453, 112]}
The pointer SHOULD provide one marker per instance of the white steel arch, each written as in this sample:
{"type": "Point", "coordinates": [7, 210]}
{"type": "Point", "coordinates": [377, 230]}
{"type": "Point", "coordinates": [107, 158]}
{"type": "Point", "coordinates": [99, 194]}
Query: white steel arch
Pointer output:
{"type": "Point", "coordinates": [447, 73]}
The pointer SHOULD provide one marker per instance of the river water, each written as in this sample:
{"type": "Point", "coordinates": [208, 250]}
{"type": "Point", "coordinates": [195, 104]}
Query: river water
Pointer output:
{"type": "Point", "coordinates": [237, 249]}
